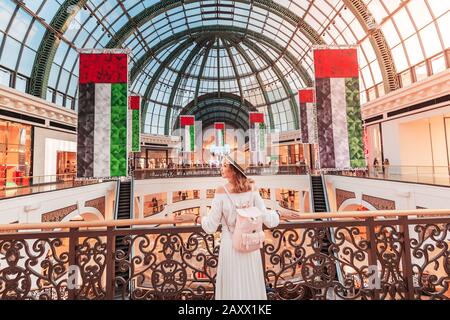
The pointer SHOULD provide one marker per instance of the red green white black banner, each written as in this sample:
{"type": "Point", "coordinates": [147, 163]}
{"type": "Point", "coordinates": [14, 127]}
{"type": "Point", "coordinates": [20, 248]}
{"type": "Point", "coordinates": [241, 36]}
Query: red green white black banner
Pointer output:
{"type": "Point", "coordinates": [308, 116]}
{"type": "Point", "coordinates": [339, 123]}
{"type": "Point", "coordinates": [219, 130]}
{"type": "Point", "coordinates": [134, 104]}
{"type": "Point", "coordinates": [102, 114]}
{"type": "Point", "coordinates": [257, 137]}
{"type": "Point", "coordinates": [188, 123]}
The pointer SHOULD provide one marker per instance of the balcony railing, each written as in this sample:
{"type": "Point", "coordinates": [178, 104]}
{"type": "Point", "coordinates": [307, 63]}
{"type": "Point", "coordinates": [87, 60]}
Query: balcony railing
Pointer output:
{"type": "Point", "coordinates": [417, 174]}
{"type": "Point", "coordinates": [207, 171]}
{"type": "Point", "coordinates": [375, 255]}
{"type": "Point", "coordinates": [26, 185]}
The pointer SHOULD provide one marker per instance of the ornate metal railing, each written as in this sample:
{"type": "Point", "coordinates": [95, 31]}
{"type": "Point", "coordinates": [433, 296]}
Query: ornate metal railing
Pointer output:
{"type": "Point", "coordinates": [437, 175]}
{"type": "Point", "coordinates": [27, 185]}
{"type": "Point", "coordinates": [206, 171]}
{"type": "Point", "coordinates": [382, 255]}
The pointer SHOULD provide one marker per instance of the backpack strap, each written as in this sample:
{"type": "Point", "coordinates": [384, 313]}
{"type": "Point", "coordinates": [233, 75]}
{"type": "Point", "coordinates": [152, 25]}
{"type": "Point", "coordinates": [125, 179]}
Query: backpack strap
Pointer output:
{"type": "Point", "coordinates": [252, 203]}
{"type": "Point", "coordinates": [234, 206]}
{"type": "Point", "coordinates": [229, 196]}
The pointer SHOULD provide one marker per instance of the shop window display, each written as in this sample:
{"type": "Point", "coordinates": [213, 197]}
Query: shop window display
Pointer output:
{"type": "Point", "coordinates": [66, 164]}
{"type": "Point", "coordinates": [154, 203]}
{"type": "Point", "coordinates": [186, 195]}
{"type": "Point", "coordinates": [15, 154]}
{"type": "Point", "coordinates": [288, 199]}
{"type": "Point", "coordinates": [265, 193]}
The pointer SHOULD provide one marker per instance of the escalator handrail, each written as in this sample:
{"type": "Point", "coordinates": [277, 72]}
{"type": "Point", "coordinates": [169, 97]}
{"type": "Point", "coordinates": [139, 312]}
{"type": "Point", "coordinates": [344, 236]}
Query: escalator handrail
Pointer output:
{"type": "Point", "coordinates": [325, 193]}
{"type": "Point", "coordinates": [333, 240]}
{"type": "Point", "coordinates": [116, 203]}
{"type": "Point", "coordinates": [311, 197]}
{"type": "Point", "coordinates": [132, 197]}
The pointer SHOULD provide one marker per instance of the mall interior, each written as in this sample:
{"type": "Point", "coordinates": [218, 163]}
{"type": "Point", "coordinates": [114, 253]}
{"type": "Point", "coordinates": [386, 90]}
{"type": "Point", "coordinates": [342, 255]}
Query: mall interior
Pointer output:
{"type": "Point", "coordinates": [115, 116]}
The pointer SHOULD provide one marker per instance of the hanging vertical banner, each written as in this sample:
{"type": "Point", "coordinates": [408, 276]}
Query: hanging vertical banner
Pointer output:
{"type": "Point", "coordinates": [257, 137]}
{"type": "Point", "coordinates": [219, 128]}
{"type": "Point", "coordinates": [256, 120]}
{"type": "Point", "coordinates": [102, 114]}
{"type": "Point", "coordinates": [135, 126]}
{"type": "Point", "coordinates": [188, 123]}
{"type": "Point", "coordinates": [308, 117]}
{"type": "Point", "coordinates": [262, 137]}
{"type": "Point", "coordinates": [339, 123]}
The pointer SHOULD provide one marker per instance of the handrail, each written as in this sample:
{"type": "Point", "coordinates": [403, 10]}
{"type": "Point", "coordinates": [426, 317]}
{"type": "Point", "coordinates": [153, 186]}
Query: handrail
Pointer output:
{"type": "Point", "coordinates": [72, 174]}
{"type": "Point", "coordinates": [332, 237]}
{"type": "Point", "coordinates": [132, 197]}
{"type": "Point", "coordinates": [325, 192]}
{"type": "Point", "coordinates": [311, 197]}
{"type": "Point", "coordinates": [116, 201]}
{"type": "Point", "coordinates": [194, 167]}
{"type": "Point", "coordinates": [169, 220]}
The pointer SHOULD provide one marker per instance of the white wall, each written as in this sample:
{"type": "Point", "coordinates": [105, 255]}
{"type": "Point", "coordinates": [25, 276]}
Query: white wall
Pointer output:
{"type": "Point", "coordinates": [46, 144]}
{"type": "Point", "coordinates": [415, 143]}
{"type": "Point", "coordinates": [405, 195]}
{"type": "Point", "coordinates": [409, 140]}
{"type": "Point", "coordinates": [29, 209]}
{"type": "Point", "coordinates": [145, 187]}
{"type": "Point", "coordinates": [374, 142]}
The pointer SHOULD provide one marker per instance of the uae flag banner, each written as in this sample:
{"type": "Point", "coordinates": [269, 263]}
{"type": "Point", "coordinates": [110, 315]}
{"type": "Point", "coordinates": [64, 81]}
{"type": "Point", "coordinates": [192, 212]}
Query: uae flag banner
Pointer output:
{"type": "Point", "coordinates": [308, 117]}
{"type": "Point", "coordinates": [256, 133]}
{"type": "Point", "coordinates": [188, 123]}
{"type": "Point", "coordinates": [102, 114]}
{"type": "Point", "coordinates": [219, 128]}
{"type": "Point", "coordinates": [135, 126]}
{"type": "Point", "coordinates": [339, 123]}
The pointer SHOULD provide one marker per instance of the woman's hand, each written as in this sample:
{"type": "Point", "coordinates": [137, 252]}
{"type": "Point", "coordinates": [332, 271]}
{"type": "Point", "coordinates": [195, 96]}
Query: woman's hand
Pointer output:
{"type": "Point", "coordinates": [287, 215]}
{"type": "Point", "coordinates": [184, 218]}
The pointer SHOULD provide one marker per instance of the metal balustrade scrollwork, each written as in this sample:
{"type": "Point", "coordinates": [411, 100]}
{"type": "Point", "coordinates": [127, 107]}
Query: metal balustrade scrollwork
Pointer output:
{"type": "Point", "coordinates": [381, 255]}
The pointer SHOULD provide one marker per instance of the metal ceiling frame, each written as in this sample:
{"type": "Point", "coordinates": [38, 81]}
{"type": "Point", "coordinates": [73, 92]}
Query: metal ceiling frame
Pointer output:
{"type": "Point", "coordinates": [187, 62]}
{"type": "Point", "coordinates": [54, 34]}
{"type": "Point", "coordinates": [226, 33]}
{"type": "Point", "coordinates": [212, 99]}
{"type": "Point", "coordinates": [45, 55]}
{"type": "Point", "coordinates": [379, 43]}
{"type": "Point", "coordinates": [292, 102]}
{"type": "Point", "coordinates": [166, 5]}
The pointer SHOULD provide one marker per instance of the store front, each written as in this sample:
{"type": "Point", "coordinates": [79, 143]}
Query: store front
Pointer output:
{"type": "Point", "coordinates": [153, 159]}
{"type": "Point", "coordinates": [54, 155]}
{"type": "Point", "coordinates": [291, 154]}
{"type": "Point", "coordinates": [15, 153]}
{"type": "Point", "coordinates": [66, 164]}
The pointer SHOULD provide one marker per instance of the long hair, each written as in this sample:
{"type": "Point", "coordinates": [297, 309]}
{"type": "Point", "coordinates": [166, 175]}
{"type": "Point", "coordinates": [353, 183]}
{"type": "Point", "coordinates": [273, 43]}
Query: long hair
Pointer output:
{"type": "Point", "coordinates": [240, 182]}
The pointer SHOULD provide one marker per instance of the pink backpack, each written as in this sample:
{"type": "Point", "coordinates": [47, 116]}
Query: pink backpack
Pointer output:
{"type": "Point", "coordinates": [248, 234]}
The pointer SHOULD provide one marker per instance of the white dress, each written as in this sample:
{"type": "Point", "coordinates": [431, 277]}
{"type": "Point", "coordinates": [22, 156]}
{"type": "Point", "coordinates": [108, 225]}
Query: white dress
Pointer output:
{"type": "Point", "coordinates": [240, 276]}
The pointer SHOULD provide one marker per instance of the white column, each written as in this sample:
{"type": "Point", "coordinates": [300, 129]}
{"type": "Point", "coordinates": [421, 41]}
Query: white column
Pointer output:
{"type": "Point", "coordinates": [273, 198]}
{"type": "Point", "coordinates": [203, 201]}
{"type": "Point", "coordinates": [169, 203]}
{"type": "Point", "coordinates": [300, 201]}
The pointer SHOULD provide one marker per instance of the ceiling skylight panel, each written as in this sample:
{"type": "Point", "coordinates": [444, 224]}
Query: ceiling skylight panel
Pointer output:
{"type": "Point", "coordinates": [439, 7]}
{"type": "Point", "coordinates": [404, 24]}
{"type": "Point", "coordinates": [430, 41]}
{"type": "Point", "coordinates": [414, 50]}
{"type": "Point", "coordinates": [377, 9]}
{"type": "Point", "coordinates": [390, 33]}
{"type": "Point", "coordinates": [313, 22]}
{"type": "Point", "coordinates": [419, 13]}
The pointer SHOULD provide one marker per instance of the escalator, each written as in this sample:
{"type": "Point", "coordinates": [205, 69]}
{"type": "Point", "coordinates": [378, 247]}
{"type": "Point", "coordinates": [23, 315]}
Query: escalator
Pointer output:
{"type": "Point", "coordinates": [124, 210]}
{"type": "Point", "coordinates": [318, 194]}
{"type": "Point", "coordinates": [319, 203]}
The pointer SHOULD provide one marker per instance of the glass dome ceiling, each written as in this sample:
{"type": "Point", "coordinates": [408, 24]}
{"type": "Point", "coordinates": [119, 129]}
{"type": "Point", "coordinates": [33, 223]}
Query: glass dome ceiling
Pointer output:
{"type": "Point", "coordinates": [258, 50]}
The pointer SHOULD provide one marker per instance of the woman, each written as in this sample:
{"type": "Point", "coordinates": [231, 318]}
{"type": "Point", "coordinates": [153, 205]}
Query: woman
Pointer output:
{"type": "Point", "coordinates": [240, 276]}
{"type": "Point", "coordinates": [386, 167]}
